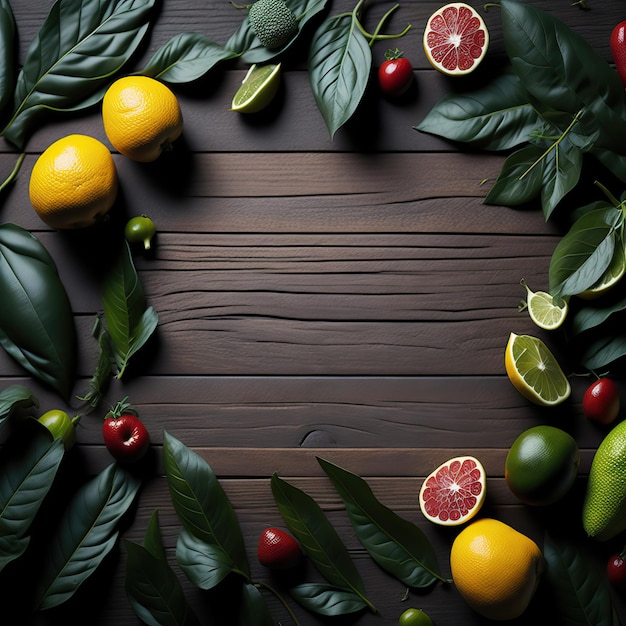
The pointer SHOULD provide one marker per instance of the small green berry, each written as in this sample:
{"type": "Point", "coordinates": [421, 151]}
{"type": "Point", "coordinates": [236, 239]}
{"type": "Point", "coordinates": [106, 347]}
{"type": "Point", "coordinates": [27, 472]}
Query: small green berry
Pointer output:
{"type": "Point", "coordinates": [140, 229]}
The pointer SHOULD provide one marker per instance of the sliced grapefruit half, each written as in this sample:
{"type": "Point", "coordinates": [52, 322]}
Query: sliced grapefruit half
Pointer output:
{"type": "Point", "coordinates": [453, 493]}
{"type": "Point", "coordinates": [455, 39]}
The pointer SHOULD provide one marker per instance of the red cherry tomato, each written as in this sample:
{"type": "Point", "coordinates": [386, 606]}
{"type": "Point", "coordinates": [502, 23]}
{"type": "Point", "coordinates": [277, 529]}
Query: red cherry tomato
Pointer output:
{"type": "Point", "coordinates": [618, 49]}
{"type": "Point", "coordinates": [616, 570]}
{"type": "Point", "coordinates": [277, 549]}
{"type": "Point", "coordinates": [601, 401]}
{"type": "Point", "coordinates": [395, 75]}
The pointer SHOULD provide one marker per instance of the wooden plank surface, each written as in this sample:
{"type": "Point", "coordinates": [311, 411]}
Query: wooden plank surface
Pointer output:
{"type": "Point", "coordinates": [345, 298]}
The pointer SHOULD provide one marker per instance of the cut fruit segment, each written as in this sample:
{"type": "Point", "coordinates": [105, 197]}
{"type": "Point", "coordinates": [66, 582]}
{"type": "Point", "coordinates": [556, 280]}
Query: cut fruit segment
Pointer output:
{"type": "Point", "coordinates": [258, 88]}
{"type": "Point", "coordinates": [543, 311]}
{"type": "Point", "coordinates": [455, 39]}
{"type": "Point", "coordinates": [534, 371]}
{"type": "Point", "coordinates": [614, 273]}
{"type": "Point", "coordinates": [454, 492]}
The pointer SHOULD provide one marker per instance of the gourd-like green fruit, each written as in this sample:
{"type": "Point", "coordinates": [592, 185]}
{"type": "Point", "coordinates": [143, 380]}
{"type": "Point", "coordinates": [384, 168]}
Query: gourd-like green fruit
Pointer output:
{"type": "Point", "coordinates": [273, 22]}
{"type": "Point", "coordinates": [604, 508]}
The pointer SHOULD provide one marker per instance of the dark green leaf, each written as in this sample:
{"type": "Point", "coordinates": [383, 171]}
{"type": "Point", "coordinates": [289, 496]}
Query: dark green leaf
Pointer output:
{"type": "Point", "coordinates": [7, 53]}
{"type": "Point", "coordinates": [101, 378]}
{"type": "Point", "coordinates": [15, 398]}
{"type": "Point", "coordinates": [596, 312]}
{"type": "Point", "coordinates": [205, 564]}
{"type": "Point", "coordinates": [200, 502]}
{"type": "Point", "coordinates": [581, 596]}
{"type": "Point", "coordinates": [339, 64]}
{"type": "Point", "coordinates": [561, 172]}
{"type": "Point", "coordinates": [318, 538]}
{"type": "Point", "coordinates": [496, 117]}
{"type": "Point", "coordinates": [327, 600]}
{"type": "Point", "coordinates": [28, 466]}
{"type": "Point", "coordinates": [129, 322]}
{"type": "Point", "coordinates": [252, 608]}
{"type": "Point", "coordinates": [584, 252]}
{"type": "Point", "coordinates": [86, 534]}
{"type": "Point", "coordinates": [603, 351]}
{"type": "Point", "coordinates": [81, 44]}
{"type": "Point", "coordinates": [613, 161]}
{"type": "Point", "coordinates": [154, 591]}
{"type": "Point", "coordinates": [520, 179]}
{"type": "Point", "coordinates": [397, 545]}
{"type": "Point", "coordinates": [185, 58]}
{"type": "Point", "coordinates": [36, 321]}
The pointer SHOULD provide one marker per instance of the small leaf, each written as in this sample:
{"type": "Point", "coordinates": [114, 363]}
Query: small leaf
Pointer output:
{"type": "Point", "coordinates": [327, 600]}
{"type": "Point", "coordinates": [317, 537]}
{"type": "Point", "coordinates": [561, 173]}
{"type": "Point", "coordinates": [86, 534]}
{"type": "Point", "coordinates": [28, 466]}
{"type": "Point", "coordinates": [596, 313]}
{"type": "Point", "coordinates": [339, 64]}
{"type": "Point", "coordinates": [8, 33]}
{"type": "Point", "coordinates": [584, 252]}
{"type": "Point", "coordinates": [200, 502]}
{"type": "Point", "coordinates": [580, 595]}
{"type": "Point", "coordinates": [36, 320]}
{"type": "Point", "coordinates": [496, 117]}
{"type": "Point", "coordinates": [205, 564]}
{"type": "Point", "coordinates": [397, 545]}
{"type": "Point", "coordinates": [129, 322]}
{"type": "Point", "coordinates": [252, 608]}
{"type": "Point", "coordinates": [603, 351]}
{"type": "Point", "coordinates": [185, 58]}
{"type": "Point", "coordinates": [15, 398]}
{"type": "Point", "coordinates": [154, 591]}
{"type": "Point", "coordinates": [101, 378]}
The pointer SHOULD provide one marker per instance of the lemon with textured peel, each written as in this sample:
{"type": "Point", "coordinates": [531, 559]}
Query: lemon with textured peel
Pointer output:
{"type": "Point", "coordinates": [543, 310]}
{"type": "Point", "coordinates": [495, 568]}
{"type": "Point", "coordinates": [614, 273]}
{"type": "Point", "coordinates": [534, 371]}
{"type": "Point", "coordinates": [258, 88]}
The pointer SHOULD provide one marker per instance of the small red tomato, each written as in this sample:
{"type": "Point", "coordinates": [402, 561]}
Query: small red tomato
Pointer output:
{"type": "Point", "coordinates": [616, 570]}
{"type": "Point", "coordinates": [395, 75]}
{"type": "Point", "coordinates": [125, 435]}
{"type": "Point", "coordinates": [601, 401]}
{"type": "Point", "coordinates": [618, 49]}
{"type": "Point", "coordinates": [278, 549]}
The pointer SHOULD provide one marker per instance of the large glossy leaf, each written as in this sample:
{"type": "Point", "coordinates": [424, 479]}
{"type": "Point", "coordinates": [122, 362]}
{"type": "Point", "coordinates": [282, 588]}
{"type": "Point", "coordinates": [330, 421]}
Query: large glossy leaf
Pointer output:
{"type": "Point", "coordinates": [595, 312]}
{"type": "Point", "coordinates": [584, 252]}
{"type": "Point", "coordinates": [252, 608]}
{"type": "Point", "coordinates": [185, 58]}
{"type": "Point", "coordinates": [339, 64]}
{"type": "Point", "coordinates": [396, 544]}
{"type": "Point", "coordinates": [86, 533]}
{"type": "Point", "coordinates": [603, 351]}
{"type": "Point", "coordinates": [129, 321]}
{"type": "Point", "coordinates": [562, 71]}
{"type": "Point", "coordinates": [325, 599]}
{"type": "Point", "coordinates": [496, 117]}
{"type": "Point", "coordinates": [581, 597]}
{"type": "Point", "coordinates": [7, 53]}
{"type": "Point", "coordinates": [201, 503]}
{"type": "Point", "coordinates": [16, 398]}
{"type": "Point", "coordinates": [154, 591]}
{"type": "Point", "coordinates": [318, 538]}
{"type": "Point", "coordinates": [79, 47]}
{"type": "Point", "coordinates": [28, 466]}
{"type": "Point", "coordinates": [36, 321]}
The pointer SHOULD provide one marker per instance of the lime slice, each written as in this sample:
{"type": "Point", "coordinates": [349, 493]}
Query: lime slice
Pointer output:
{"type": "Point", "coordinates": [610, 278]}
{"type": "Point", "coordinates": [534, 371]}
{"type": "Point", "coordinates": [258, 88]}
{"type": "Point", "coordinates": [543, 311]}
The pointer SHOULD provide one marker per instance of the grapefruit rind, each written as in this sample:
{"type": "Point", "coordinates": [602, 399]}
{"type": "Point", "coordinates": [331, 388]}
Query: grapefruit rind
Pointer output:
{"type": "Point", "coordinates": [455, 39]}
{"type": "Point", "coordinates": [454, 492]}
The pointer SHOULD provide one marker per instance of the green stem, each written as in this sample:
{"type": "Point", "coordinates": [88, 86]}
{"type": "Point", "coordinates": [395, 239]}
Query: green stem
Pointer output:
{"type": "Point", "coordinates": [376, 36]}
{"type": "Point", "coordinates": [280, 598]}
{"type": "Point", "coordinates": [612, 199]}
{"type": "Point", "coordinates": [13, 174]}
{"type": "Point", "coordinates": [554, 145]}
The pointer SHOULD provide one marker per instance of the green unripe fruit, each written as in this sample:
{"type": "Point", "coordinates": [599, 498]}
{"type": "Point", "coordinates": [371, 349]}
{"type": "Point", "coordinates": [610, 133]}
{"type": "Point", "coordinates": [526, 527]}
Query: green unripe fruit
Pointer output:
{"type": "Point", "coordinates": [273, 23]}
{"type": "Point", "coordinates": [140, 229]}
{"type": "Point", "coordinates": [414, 617]}
{"type": "Point", "coordinates": [61, 425]}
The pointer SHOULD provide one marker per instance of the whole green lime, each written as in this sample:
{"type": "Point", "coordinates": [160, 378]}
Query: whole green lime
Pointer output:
{"type": "Point", "coordinates": [541, 465]}
{"type": "Point", "coordinates": [414, 617]}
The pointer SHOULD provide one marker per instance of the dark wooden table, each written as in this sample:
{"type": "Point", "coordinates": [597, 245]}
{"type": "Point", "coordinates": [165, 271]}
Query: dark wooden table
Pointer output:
{"type": "Point", "coordinates": [348, 298]}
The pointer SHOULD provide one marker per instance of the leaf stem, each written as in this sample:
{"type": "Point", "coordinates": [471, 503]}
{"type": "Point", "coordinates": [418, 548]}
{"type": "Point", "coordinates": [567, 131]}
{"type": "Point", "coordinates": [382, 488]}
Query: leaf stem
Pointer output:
{"type": "Point", "coordinates": [282, 600]}
{"type": "Point", "coordinates": [614, 201]}
{"type": "Point", "coordinates": [11, 177]}
{"type": "Point", "coordinates": [553, 146]}
{"type": "Point", "coordinates": [376, 35]}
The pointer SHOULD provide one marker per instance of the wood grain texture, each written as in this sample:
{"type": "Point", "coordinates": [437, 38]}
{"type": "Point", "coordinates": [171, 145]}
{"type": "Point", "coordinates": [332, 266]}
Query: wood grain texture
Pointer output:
{"type": "Point", "coordinates": [348, 299]}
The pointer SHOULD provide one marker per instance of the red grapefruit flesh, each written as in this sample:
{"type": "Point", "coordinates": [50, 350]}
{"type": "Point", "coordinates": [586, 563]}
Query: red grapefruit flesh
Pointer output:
{"type": "Point", "coordinates": [455, 39]}
{"type": "Point", "coordinates": [454, 492]}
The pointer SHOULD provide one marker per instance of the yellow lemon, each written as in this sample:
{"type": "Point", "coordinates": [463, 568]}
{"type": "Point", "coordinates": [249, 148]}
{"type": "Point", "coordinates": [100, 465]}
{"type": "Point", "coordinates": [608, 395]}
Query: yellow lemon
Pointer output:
{"type": "Point", "coordinates": [495, 568]}
{"type": "Point", "coordinates": [141, 117]}
{"type": "Point", "coordinates": [73, 184]}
